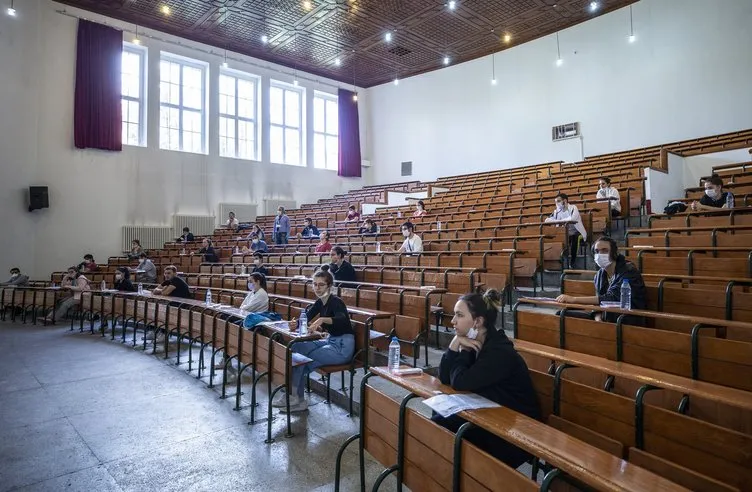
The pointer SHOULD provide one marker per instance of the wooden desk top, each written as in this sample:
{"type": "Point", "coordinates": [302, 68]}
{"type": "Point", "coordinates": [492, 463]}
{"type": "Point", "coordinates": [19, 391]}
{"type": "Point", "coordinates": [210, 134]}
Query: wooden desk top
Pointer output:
{"type": "Point", "coordinates": [583, 462]}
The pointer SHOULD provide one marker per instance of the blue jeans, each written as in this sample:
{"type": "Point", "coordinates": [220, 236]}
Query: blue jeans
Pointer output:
{"type": "Point", "coordinates": [281, 238]}
{"type": "Point", "coordinates": [328, 352]}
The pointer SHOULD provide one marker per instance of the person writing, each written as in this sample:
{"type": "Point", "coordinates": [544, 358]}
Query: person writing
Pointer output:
{"type": "Point", "coordinates": [420, 209]}
{"type": "Point", "coordinates": [569, 216]}
{"type": "Point", "coordinates": [187, 236]}
{"type": "Point", "coordinates": [369, 228]}
{"type": "Point", "coordinates": [482, 360]}
{"type": "Point", "coordinates": [281, 226]}
{"type": "Point", "coordinates": [613, 269]}
{"type": "Point", "coordinates": [257, 300]}
{"type": "Point", "coordinates": [123, 280]}
{"type": "Point", "coordinates": [309, 230]}
{"type": "Point", "coordinates": [327, 318]}
{"type": "Point", "coordinates": [256, 230]}
{"type": "Point", "coordinates": [413, 243]}
{"type": "Point", "coordinates": [714, 197]}
{"type": "Point", "coordinates": [136, 250]}
{"type": "Point", "coordinates": [607, 193]}
{"type": "Point", "coordinates": [210, 256]}
{"type": "Point", "coordinates": [258, 244]}
{"type": "Point", "coordinates": [342, 270]}
{"type": "Point", "coordinates": [88, 265]}
{"type": "Point", "coordinates": [147, 268]}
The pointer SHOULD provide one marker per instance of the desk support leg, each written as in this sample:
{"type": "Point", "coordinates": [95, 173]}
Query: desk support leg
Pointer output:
{"type": "Point", "coordinates": [457, 460]}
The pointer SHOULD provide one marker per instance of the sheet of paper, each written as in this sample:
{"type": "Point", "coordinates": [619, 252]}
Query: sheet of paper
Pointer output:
{"type": "Point", "coordinates": [446, 405]}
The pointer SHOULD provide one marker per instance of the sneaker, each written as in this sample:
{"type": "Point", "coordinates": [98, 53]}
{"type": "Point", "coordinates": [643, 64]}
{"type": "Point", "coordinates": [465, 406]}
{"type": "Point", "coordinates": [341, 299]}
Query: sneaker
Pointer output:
{"type": "Point", "coordinates": [300, 406]}
{"type": "Point", "coordinates": [279, 400]}
{"type": "Point", "coordinates": [148, 337]}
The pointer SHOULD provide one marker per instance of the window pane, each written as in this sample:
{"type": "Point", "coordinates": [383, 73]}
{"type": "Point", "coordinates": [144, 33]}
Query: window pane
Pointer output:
{"type": "Point", "coordinates": [192, 77]}
{"type": "Point", "coordinates": [319, 151]}
{"type": "Point", "coordinates": [292, 146]}
{"type": "Point", "coordinates": [292, 108]}
{"type": "Point", "coordinates": [332, 117]}
{"type": "Point", "coordinates": [277, 144]}
{"type": "Point", "coordinates": [226, 105]}
{"type": "Point", "coordinates": [318, 115]}
{"type": "Point", "coordinates": [332, 152]}
{"type": "Point", "coordinates": [169, 93]}
{"type": "Point", "coordinates": [276, 106]}
{"type": "Point", "coordinates": [192, 98]}
{"type": "Point", "coordinates": [246, 109]}
{"type": "Point", "coordinates": [246, 98]}
{"type": "Point", "coordinates": [133, 135]}
{"type": "Point", "coordinates": [227, 85]}
{"type": "Point", "coordinates": [246, 140]}
{"type": "Point", "coordinates": [192, 121]}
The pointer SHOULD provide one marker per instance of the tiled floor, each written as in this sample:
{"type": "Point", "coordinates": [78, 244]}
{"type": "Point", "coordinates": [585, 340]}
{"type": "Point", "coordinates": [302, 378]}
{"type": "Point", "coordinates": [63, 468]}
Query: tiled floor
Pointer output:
{"type": "Point", "coordinates": [81, 413]}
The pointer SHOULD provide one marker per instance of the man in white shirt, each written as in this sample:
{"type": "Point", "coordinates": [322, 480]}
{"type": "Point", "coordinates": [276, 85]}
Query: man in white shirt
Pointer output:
{"type": "Point", "coordinates": [232, 222]}
{"type": "Point", "coordinates": [569, 216]}
{"type": "Point", "coordinates": [608, 193]}
{"type": "Point", "coordinates": [413, 243]}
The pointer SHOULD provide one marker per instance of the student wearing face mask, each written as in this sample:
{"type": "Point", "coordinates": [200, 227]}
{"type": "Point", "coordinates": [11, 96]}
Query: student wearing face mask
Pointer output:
{"type": "Point", "coordinates": [607, 193]}
{"type": "Point", "coordinates": [281, 226]}
{"type": "Point", "coordinates": [324, 246]}
{"type": "Point", "coordinates": [714, 197]}
{"type": "Point", "coordinates": [613, 269]}
{"type": "Point", "coordinates": [413, 243]}
{"type": "Point", "coordinates": [342, 270]}
{"type": "Point", "coordinates": [75, 283]}
{"type": "Point", "coordinates": [16, 278]}
{"type": "Point", "coordinates": [257, 300]}
{"type": "Point", "coordinates": [258, 264]}
{"type": "Point", "coordinates": [258, 244]}
{"type": "Point", "coordinates": [123, 280]}
{"type": "Point", "coordinates": [257, 230]}
{"type": "Point", "coordinates": [337, 344]}
{"type": "Point", "coordinates": [482, 360]}
{"type": "Point", "coordinates": [575, 228]}
{"type": "Point", "coordinates": [309, 230]}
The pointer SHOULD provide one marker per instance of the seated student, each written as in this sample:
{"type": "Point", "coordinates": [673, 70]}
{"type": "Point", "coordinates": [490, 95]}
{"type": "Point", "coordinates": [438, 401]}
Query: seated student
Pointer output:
{"type": "Point", "coordinates": [613, 270]}
{"type": "Point", "coordinates": [481, 359]}
{"type": "Point", "coordinates": [258, 244]}
{"type": "Point", "coordinates": [136, 250]}
{"type": "Point", "coordinates": [257, 301]}
{"type": "Point", "coordinates": [714, 197]}
{"type": "Point", "coordinates": [88, 265]}
{"type": "Point", "coordinates": [420, 209]}
{"type": "Point", "coordinates": [210, 256]}
{"type": "Point", "coordinates": [575, 228]}
{"type": "Point", "coordinates": [309, 230]}
{"type": "Point", "coordinates": [606, 191]}
{"type": "Point", "coordinates": [413, 243]}
{"type": "Point", "coordinates": [256, 230]}
{"type": "Point", "coordinates": [123, 280]}
{"type": "Point", "coordinates": [342, 270]}
{"type": "Point", "coordinates": [337, 348]}
{"type": "Point", "coordinates": [352, 214]}
{"type": "Point", "coordinates": [232, 223]}
{"type": "Point", "coordinates": [173, 286]}
{"type": "Point", "coordinates": [369, 228]}
{"type": "Point", "coordinates": [258, 264]}
{"type": "Point", "coordinates": [16, 278]}
{"type": "Point", "coordinates": [324, 245]}
{"type": "Point", "coordinates": [149, 269]}
{"type": "Point", "coordinates": [187, 236]}
{"type": "Point", "coordinates": [75, 283]}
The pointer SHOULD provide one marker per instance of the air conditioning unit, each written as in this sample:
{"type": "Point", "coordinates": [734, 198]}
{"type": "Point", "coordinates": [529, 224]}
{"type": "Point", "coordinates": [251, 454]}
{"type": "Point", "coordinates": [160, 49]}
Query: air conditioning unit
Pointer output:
{"type": "Point", "coordinates": [365, 163]}
{"type": "Point", "coordinates": [566, 131]}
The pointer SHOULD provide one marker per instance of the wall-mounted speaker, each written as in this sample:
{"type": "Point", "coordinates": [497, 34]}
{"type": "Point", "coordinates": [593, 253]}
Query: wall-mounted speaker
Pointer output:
{"type": "Point", "coordinates": [38, 198]}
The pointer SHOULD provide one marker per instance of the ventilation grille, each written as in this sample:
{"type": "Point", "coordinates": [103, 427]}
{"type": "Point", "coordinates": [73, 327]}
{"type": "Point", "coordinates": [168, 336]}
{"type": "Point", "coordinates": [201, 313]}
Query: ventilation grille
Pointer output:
{"type": "Point", "coordinates": [563, 132]}
{"type": "Point", "coordinates": [151, 237]}
{"type": "Point", "coordinates": [200, 225]}
{"type": "Point", "coordinates": [244, 212]}
{"type": "Point", "coordinates": [399, 51]}
{"type": "Point", "coordinates": [407, 168]}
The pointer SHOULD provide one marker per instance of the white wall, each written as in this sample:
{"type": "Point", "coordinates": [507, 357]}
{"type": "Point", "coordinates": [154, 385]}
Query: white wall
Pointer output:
{"type": "Point", "coordinates": [687, 75]}
{"type": "Point", "coordinates": [94, 193]}
{"type": "Point", "coordinates": [697, 166]}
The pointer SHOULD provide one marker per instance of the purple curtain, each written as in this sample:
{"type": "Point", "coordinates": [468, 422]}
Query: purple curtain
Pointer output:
{"type": "Point", "coordinates": [97, 116]}
{"type": "Point", "coordinates": [349, 136]}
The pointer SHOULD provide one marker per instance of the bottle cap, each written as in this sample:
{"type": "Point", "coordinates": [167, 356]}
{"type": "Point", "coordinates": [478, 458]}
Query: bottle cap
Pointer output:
{"type": "Point", "coordinates": [625, 281]}
{"type": "Point", "coordinates": [395, 339]}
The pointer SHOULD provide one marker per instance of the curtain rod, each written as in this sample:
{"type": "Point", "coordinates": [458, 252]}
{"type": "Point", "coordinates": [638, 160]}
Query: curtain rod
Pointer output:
{"type": "Point", "coordinates": [202, 50]}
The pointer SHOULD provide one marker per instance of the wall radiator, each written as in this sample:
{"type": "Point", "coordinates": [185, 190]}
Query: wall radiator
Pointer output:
{"type": "Point", "coordinates": [200, 225]}
{"type": "Point", "coordinates": [151, 237]}
{"type": "Point", "coordinates": [244, 212]}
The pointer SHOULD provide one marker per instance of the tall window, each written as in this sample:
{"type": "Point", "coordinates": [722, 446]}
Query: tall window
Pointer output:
{"type": "Point", "coordinates": [133, 94]}
{"type": "Point", "coordinates": [237, 116]}
{"type": "Point", "coordinates": [182, 106]}
{"type": "Point", "coordinates": [285, 117]}
{"type": "Point", "coordinates": [325, 132]}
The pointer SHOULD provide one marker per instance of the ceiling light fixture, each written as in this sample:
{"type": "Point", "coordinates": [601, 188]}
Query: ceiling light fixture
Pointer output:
{"type": "Point", "coordinates": [337, 61]}
{"type": "Point", "coordinates": [135, 38]}
{"type": "Point", "coordinates": [507, 38]}
{"type": "Point", "coordinates": [264, 38]}
{"type": "Point", "coordinates": [224, 63]}
{"type": "Point", "coordinates": [166, 10]}
{"type": "Point", "coordinates": [452, 4]}
{"type": "Point", "coordinates": [594, 6]}
{"type": "Point", "coordinates": [11, 11]}
{"type": "Point", "coordinates": [493, 68]}
{"type": "Point", "coordinates": [446, 60]}
{"type": "Point", "coordinates": [307, 5]}
{"type": "Point", "coordinates": [396, 81]}
{"type": "Point", "coordinates": [355, 89]}
{"type": "Point", "coordinates": [559, 61]}
{"type": "Point", "coordinates": [388, 36]}
{"type": "Point", "coordinates": [632, 37]}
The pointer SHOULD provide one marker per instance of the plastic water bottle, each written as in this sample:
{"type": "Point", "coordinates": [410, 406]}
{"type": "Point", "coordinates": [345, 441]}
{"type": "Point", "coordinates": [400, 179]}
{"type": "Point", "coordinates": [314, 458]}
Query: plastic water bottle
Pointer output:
{"type": "Point", "coordinates": [104, 285]}
{"type": "Point", "coordinates": [182, 252]}
{"type": "Point", "coordinates": [399, 214]}
{"type": "Point", "coordinates": [438, 225]}
{"type": "Point", "coordinates": [237, 250]}
{"type": "Point", "coordinates": [378, 247]}
{"type": "Point", "coordinates": [729, 200]}
{"type": "Point", "coordinates": [394, 355]}
{"type": "Point", "coordinates": [303, 323]}
{"type": "Point", "coordinates": [626, 295]}
{"type": "Point", "coordinates": [208, 297]}
{"type": "Point", "coordinates": [140, 288]}
{"type": "Point", "coordinates": [243, 270]}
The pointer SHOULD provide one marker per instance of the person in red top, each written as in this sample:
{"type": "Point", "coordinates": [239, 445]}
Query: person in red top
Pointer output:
{"type": "Point", "coordinates": [352, 214]}
{"type": "Point", "coordinates": [324, 245]}
{"type": "Point", "coordinates": [88, 265]}
{"type": "Point", "coordinates": [420, 209]}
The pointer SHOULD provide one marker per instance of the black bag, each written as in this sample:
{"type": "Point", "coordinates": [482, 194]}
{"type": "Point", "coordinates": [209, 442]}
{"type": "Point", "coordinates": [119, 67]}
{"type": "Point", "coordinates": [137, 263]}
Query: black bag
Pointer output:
{"type": "Point", "coordinates": [675, 208]}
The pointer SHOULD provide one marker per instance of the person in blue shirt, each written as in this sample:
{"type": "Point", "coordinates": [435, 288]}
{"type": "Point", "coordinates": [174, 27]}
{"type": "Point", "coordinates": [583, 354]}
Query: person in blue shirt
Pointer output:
{"type": "Point", "coordinates": [281, 226]}
{"type": "Point", "coordinates": [258, 244]}
{"type": "Point", "coordinates": [309, 230]}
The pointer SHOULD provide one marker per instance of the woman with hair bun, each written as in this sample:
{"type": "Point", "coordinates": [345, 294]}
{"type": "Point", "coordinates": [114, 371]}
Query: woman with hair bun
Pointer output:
{"type": "Point", "coordinates": [481, 359]}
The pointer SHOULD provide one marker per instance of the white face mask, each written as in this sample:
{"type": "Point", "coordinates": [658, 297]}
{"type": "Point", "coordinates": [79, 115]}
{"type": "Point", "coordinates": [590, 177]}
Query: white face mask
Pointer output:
{"type": "Point", "coordinates": [255, 241]}
{"type": "Point", "coordinates": [472, 333]}
{"type": "Point", "coordinates": [118, 277]}
{"type": "Point", "coordinates": [256, 262]}
{"type": "Point", "coordinates": [712, 193]}
{"type": "Point", "coordinates": [406, 233]}
{"type": "Point", "coordinates": [13, 275]}
{"type": "Point", "coordinates": [251, 286]}
{"type": "Point", "coordinates": [603, 260]}
{"type": "Point", "coordinates": [560, 206]}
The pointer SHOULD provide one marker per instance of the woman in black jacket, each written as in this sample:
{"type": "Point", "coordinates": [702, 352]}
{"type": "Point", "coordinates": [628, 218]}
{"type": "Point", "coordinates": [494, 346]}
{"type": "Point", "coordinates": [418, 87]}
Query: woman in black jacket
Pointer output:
{"type": "Point", "coordinates": [123, 280]}
{"type": "Point", "coordinates": [483, 360]}
{"type": "Point", "coordinates": [210, 256]}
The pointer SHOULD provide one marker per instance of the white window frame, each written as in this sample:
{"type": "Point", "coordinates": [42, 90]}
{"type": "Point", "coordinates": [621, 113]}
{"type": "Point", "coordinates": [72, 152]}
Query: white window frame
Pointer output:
{"type": "Point", "coordinates": [326, 97]}
{"type": "Point", "coordinates": [238, 75]}
{"type": "Point", "coordinates": [275, 84]}
{"type": "Point", "coordinates": [142, 53]}
{"type": "Point", "coordinates": [204, 67]}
